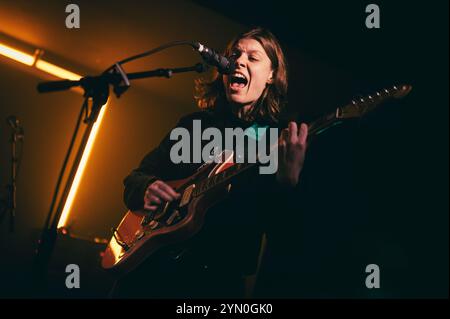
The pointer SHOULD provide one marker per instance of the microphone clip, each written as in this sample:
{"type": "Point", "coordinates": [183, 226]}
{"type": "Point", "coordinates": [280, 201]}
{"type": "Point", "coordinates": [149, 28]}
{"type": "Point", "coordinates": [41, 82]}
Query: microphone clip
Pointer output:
{"type": "Point", "coordinates": [223, 64]}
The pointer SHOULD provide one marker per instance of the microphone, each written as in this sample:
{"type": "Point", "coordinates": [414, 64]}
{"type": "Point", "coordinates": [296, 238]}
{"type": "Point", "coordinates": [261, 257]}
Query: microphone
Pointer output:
{"type": "Point", "coordinates": [12, 121]}
{"type": "Point", "coordinates": [15, 125]}
{"type": "Point", "coordinates": [223, 64]}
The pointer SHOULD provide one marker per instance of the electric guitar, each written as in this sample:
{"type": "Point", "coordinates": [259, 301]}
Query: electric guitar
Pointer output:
{"type": "Point", "coordinates": [141, 233]}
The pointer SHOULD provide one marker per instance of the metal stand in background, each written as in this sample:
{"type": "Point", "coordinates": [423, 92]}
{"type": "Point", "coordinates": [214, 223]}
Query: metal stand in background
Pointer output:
{"type": "Point", "coordinates": [98, 95]}
{"type": "Point", "coordinates": [96, 91]}
{"type": "Point", "coordinates": [9, 205]}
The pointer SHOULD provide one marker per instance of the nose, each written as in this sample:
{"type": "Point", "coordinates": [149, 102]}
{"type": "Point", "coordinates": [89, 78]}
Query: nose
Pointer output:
{"type": "Point", "coordinates": [240, 61]}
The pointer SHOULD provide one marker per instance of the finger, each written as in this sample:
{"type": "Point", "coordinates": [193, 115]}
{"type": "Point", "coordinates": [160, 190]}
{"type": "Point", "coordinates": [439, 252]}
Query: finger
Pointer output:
{"type": "Point", "coordinates": [149, 192]}
{"type": "Point", "coordinates": [284, 135]}
{"type": "Point", "coordinates": [156, 189]}
{"type": "Point", "coordinates": [168, 189]}
{"type": "Point", "coordinates": [163, 195]}
{"type": "Point", "coordinates": [152, 188]}
{"type": "Point", "coordinates": [282, 151]}
{"type": "Point", "coordinates": [150, 207]}
{"type": "Point", "coordinates": [154, 199]}
{"type": "Point", "coordinates": [293, 132]}
{"type": "Point", "coordinates": [303, 133]}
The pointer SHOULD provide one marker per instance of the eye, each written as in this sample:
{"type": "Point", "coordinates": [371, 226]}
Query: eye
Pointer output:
{"type": "Point", "coordinates": [234, 55]}
{"type": "Point", "coordinates": [253, 58]}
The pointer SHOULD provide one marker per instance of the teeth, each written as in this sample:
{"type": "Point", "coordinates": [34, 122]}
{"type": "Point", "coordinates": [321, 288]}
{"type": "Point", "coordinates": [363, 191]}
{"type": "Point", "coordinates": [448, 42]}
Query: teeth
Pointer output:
{"type": "Point", "coordinates": [238, 78]}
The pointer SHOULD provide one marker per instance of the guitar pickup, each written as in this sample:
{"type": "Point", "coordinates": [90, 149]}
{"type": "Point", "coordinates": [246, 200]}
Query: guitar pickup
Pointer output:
{"type": "Point", "coordinates": [147, 218]}
{"type": "Point", "coordinates": [119, 241]}
{"type": "Point", "coordinates": [185, 199]}
{"type": "Point", "coordinates": [171, 219]}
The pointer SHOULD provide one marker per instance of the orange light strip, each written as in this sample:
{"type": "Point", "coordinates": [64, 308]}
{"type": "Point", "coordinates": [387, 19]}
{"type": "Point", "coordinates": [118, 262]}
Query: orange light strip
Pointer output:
{"type": "Point", "coordinates": [16, 55]}
{"type": "Point", "coordinates": [76, 181]}
{"type": "Point", "coordinates": [61, 73]}
{"type": "Point", "coordinates": [57, 71]}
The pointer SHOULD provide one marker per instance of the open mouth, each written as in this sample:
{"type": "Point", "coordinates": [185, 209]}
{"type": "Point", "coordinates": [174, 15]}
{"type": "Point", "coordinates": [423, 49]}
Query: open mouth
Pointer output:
{"type": "Point", "coordinates": [237, 81]}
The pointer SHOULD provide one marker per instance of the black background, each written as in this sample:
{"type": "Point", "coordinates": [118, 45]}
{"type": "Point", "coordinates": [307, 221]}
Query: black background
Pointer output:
{"type": "Point", "coordinates": [375, 190]}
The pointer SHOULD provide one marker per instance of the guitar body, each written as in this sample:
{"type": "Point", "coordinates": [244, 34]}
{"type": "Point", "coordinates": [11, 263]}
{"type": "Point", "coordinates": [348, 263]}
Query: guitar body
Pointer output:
{"type": "Point", "coordinates": [138, 237]}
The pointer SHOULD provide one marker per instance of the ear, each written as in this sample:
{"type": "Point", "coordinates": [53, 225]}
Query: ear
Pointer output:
{"type": "Point", "coordinates": [270, 78]}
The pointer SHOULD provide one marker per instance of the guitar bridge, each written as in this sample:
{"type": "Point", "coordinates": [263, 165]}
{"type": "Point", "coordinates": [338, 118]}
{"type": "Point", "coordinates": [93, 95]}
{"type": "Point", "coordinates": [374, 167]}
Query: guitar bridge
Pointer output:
{"type": "Point", "coordinates": [120, 242]}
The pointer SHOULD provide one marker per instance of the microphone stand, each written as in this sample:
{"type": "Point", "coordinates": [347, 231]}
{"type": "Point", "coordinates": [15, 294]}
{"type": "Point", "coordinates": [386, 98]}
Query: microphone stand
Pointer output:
{"type": "Point", "coordinates": [12, 187]}
{"type": "Point", "coordinates": [96, 89]}
{"type": "Point", "coordinates": [10, 203]}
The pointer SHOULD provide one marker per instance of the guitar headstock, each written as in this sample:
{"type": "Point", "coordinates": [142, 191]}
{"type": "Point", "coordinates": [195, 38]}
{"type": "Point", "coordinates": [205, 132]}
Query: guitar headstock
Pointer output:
{"type": "Point", "coordinates": [359, 107]}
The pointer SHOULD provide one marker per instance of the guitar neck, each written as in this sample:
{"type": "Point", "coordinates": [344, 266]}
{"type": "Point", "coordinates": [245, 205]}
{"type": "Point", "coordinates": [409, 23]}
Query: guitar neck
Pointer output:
{"type": "Point", "coordinates": [323, 123]}
{"type": "Point", "coordinates": [355, 109]}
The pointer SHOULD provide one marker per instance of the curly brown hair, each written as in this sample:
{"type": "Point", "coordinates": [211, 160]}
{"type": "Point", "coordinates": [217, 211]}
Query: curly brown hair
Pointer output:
{"type": "Point", "coordinates": [209, 94]}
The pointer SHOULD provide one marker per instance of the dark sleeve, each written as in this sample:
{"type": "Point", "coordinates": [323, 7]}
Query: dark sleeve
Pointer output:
{"type": "Point", "coordinates": [155, 165]}
{"type": "Point", "coordinates": [280, 205]}
{"type": "Point", "coordinates": [149, 170]}
{"type": "Point", "coordinates": [279, 202]}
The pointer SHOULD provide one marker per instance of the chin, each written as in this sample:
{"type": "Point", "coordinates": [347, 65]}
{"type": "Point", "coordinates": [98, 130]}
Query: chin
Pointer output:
{"type": "Point", "coordinates": [238, 100]}
{"type": "Point", "coordinates": [239, 104]}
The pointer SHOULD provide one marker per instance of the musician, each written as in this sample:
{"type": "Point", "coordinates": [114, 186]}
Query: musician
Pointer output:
{"type": "Point", "coordinates": [215, 262]}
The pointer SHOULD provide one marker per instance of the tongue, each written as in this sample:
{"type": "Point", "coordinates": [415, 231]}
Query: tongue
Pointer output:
{"type": "Point", "coordinates": [236, 85]}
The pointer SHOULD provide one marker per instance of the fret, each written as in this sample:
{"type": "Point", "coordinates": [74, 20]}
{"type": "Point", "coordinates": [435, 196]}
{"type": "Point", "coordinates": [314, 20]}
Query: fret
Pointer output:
{"type": "Point", "coordinates": [319, 125]}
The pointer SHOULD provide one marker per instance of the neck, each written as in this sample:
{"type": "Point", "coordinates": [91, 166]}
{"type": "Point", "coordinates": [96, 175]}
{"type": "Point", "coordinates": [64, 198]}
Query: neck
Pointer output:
{"type": "Point", "coordinates": [242, 112]}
